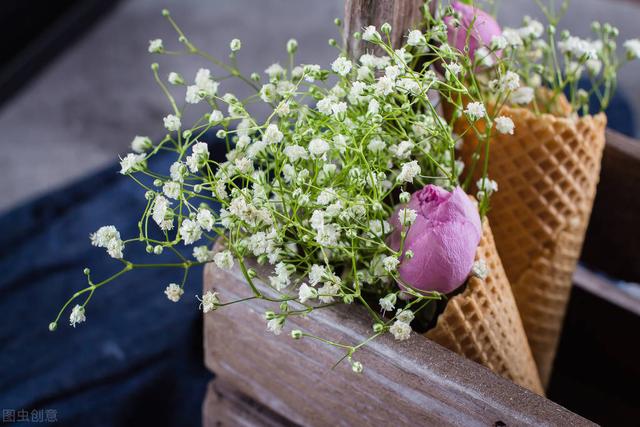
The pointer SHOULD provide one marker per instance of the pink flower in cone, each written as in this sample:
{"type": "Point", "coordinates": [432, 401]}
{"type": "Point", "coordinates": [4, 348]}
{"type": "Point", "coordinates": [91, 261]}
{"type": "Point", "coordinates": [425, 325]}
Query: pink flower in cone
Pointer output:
{"type": "Point", "coordinates": [482, 27]}
{"type": "Point", "coordinates": [443, 238]}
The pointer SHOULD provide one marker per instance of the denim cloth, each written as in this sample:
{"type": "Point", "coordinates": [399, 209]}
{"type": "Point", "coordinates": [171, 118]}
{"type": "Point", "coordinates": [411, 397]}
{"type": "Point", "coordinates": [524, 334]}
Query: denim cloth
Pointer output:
{"type": "Point", "coordinates": [138, 359]}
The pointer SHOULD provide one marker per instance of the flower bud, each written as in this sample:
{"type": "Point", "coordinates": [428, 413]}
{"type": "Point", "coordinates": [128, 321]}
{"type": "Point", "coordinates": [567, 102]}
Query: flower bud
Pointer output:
{"type": "Point", "coordinates": [386, 28]}
{"type": "Point", "coordinates": [269, 315]}
{"type": "Point", "coordinates": [357, 367]}
{"type": "Point", "coordinates": [378, 327]}
{"type": "Point", "coordinates": [296, 334]}
{"type": "Point", "coordinates": [53, 326]}
{"type": "Point", "coordinates": [86, 271]}
{"type": "Point", "coordinates": [158, 249]}
{"type": "Point", "coordinates": [442, 217]}
{"type": "Point", "coordinates": [292, 46]}
{"type": "Point", "coordinates": [235, 45]}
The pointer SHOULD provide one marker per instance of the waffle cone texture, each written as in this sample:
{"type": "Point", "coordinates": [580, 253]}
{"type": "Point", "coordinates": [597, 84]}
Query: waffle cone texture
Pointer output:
{"type": "Point", "coordinates": [483, 324]}
{"type": "Point", "coordinates": [547, 173]}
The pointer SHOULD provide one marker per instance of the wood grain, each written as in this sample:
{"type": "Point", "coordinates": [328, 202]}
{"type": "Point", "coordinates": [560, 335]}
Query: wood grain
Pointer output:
{"type": "Point", "coordinates": [612, 244]}
{"type": "Point", "coordinates": [411, 382]}
{"type": "Point", "coordinates": [401, 14]}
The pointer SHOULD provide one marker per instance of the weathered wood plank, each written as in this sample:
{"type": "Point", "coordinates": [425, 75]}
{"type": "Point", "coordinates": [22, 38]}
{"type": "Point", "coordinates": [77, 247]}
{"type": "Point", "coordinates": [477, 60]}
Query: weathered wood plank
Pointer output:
{"type": "Point", "coordinates": [401, 14]}
{"type": "Point", "coordinates": [225, 406]}
{"type": "Point", "coordinates": [416, 381]}
{"type": "Point", "coordinates": [612, 243]}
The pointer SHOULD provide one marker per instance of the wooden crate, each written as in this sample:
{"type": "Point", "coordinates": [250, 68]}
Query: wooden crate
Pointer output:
{"type": "Point", "coordinates": [275, 380]}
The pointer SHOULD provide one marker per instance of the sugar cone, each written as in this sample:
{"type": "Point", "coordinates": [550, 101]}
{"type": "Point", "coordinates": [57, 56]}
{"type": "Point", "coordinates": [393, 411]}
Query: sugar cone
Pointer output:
{"type": "Point", "coordinates": [482, 323]}
{"type": "Point", "coordinates": [547, 174]}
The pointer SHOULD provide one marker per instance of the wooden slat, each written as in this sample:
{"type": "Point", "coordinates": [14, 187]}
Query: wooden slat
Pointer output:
{"type": "Point", "coordinates": [400, 14]}
{"type": "Point", "coordinates": [612, 244]}
{"type": "Point", "coordinates": [413, 382]}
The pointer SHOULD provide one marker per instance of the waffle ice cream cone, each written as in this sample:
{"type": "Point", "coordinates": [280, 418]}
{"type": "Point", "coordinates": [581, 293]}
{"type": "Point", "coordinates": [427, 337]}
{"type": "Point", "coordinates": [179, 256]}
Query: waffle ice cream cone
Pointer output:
{"type": "Point", "coordinates": [547, 173]}
{"type": "Point", "coordinates": [482, 323]}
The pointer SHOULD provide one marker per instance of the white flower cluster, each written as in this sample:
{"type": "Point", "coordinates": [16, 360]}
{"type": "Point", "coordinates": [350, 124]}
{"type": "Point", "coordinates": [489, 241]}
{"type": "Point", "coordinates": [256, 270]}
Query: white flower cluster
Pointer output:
{"type": "Point", "coordinates": [309, 192]}
{"type": "Point", "coordinates": [108, 237]}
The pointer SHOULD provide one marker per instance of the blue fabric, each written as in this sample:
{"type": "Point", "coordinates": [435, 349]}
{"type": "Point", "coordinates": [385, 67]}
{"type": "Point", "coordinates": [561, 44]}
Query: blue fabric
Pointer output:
{"type": "Point", "coordinates": [619, 113]}
{"type": "Point", "coordinates": [138, 360]}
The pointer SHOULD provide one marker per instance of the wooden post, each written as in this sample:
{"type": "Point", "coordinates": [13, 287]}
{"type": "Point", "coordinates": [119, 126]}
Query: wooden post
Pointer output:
{"type": "Point", "coordinates": [401, 14]}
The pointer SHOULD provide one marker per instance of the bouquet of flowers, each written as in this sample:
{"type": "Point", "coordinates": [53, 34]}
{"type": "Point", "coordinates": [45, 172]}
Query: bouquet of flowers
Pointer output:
{"type": "Point", "coordinates": [547, 164]}
{"type": "Point", "coordinates": [350, 189]}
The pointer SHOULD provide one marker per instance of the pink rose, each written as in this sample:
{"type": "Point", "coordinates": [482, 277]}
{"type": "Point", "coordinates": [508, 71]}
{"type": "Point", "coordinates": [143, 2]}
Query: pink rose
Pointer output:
{"type": "Point", "coordinates": [483, 28]}
{"type": "Point", "coordinates": [443, 238]}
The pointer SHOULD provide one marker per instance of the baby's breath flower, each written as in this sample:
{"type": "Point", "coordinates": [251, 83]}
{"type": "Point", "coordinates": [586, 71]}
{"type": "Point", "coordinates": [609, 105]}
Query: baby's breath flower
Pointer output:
{"type": "Point", "coordinates": [203, 254]}
{"type": "Point", "coordinates": [235, 45]}
{"type": "Point", "coordinates": [77, 315]}
{"type": "Point", "coordinates": [108, 237]}
{"type": "Point", "coordinates": [401, 331]}
{"type": "Point", "coordinates": [173, 292]}
{"type": "Point", "coordinates": [390, 263]}
{"type": "Point", "coordinates": [205, 83]}
{"type": "Point", "coordinates": [316, 273]}
{"type": "Point", "coordinates": [295, 153]}
{"type": "Point", "coordinates": [318, 147]}
{"type": "Point", "coordinates": [341, 66]}
{"type": "Point", "coordinates": [407, 216]}
{"type": "Point", "coordinates": [224, 260]}
{"type": "Point", "coordinates": [405, 316]}
{"type": "Point", "coordinates": [487, 185]}
{"type": "Point", "coordinates": [498, 42]}
{"type": "Point", "coordinates": [415, 38]}
{"type": "Point", "coordinates": [172, 123]}
{"type": "Point", "coordinates": [306, 292]}
{"type": "Point", "coordinates": [175, 78]}
{"type": "Point", "coordinates": [274, 71]}
{"type": "Point", "coordinates": [190, 231]}
{"type": "Point", "coordinates": [205, 219]}
{"type": "Point", "coordinates": [132, 163]}
{"type": "Point", "coordinates": [409, 171]}
{"type": "Point", "coordinates": [633, 48]}
{"type": "Point", "coordinates": [199, 156]}
{"type": "Point", "coordinates": [371, 34]}
{"type": "Point", "coordinates": [384, 86]}
{"type": "Point", "coordinates": [215, 116]}
{"type": "Point", "coordinates": [388, 302]}
{"type": "Point", "coordinates": [523, 95]}
{"type": "Point", "coordinates": [374, 107]}
{"type": "Point", "coordinates": [275, 325]}
{"type": "Point", "coordinates": [155, 46]}
{"type": "Point", "coordinates": [475, 110]}
{"type": "Point", "coordinates": [504, 125]}
{"type": "Point", "coordinates": [376, 145]}
{"type": "Point", "coordinates": [272, 134]}
{"type": "Point", "coordinates": [162, 215]}
{"type": "Point", "coordinates": [172, 190]}
{"type": "Point", "coordinates": [140, 144]}
{"type": "Point", "coordinates": [209, 302]}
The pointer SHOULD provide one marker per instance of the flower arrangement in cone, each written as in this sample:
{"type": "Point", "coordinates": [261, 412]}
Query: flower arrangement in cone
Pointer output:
{"type": "Point", "coordinates": [350, 189]}
{"type": "Point", "coordinates": [546, 154]}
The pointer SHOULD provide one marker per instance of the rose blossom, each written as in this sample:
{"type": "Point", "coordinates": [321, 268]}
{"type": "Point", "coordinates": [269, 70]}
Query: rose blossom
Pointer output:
{"type": "Point", "coordinates": [483, 28]}
{"type": "Point", "coordinates": [443, 238]}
